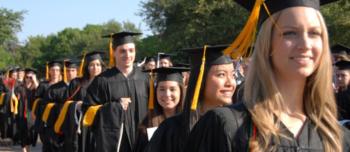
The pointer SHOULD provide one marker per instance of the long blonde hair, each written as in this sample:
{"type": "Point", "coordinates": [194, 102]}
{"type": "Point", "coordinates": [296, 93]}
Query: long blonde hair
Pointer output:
{"type": "Point", "coordinates": [262, 97]}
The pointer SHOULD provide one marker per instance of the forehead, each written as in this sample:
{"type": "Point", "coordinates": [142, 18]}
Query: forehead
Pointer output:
{"type": "Point", "coordinates": [298, 16]}
{"type": "Point", "coordinates": [222, 67]}
{"type": "Point", "coordinates": [55, 67]}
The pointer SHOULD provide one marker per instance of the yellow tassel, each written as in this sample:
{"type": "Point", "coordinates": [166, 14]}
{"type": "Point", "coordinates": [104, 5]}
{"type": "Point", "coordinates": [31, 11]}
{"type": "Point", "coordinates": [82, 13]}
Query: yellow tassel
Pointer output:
{"type": "Point", "coordinates": [246, 38]}
{"type": "Point", "coordinates": [47, 71]}
{"type": "Point", "coordinates": [81, 67]}
{"type": "Point", "coordinates": [199, 81]}
{"type": "Point", "coordinates": [111, 54]}
{"type": "Point", "coordinates": [151, 93]}
{"type": "Point", "coordinates": [62, 116]}
{"type": "Point", "coordinates": [64, 72]}
{"type": "Point", "coordinates": [90, 115]}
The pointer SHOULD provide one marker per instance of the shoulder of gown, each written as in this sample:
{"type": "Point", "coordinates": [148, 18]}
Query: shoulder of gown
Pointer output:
{"type": "Point", "coordinates": [217, 129]}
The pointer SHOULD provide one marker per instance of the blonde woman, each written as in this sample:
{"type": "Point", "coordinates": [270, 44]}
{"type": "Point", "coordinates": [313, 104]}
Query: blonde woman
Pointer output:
{"type": "Point", "coordinates": [288, 103]}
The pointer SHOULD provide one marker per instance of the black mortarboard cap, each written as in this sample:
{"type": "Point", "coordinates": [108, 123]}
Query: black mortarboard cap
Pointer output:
{"type": "Point", "coordinates": [182, 65]}
{"type": "Point", "coordinates": [260, 11]}
{"type": "Point", "coordinates": [94, 55]}
{"type": "Point", "coordinates": [150, 59]}
{"type": "Point", "coordinates": [343, 65]}
{"type": "Point", "coordinates": [169, 74]}
{"type": "Point", "coordinates": [13, 69]}
{"type": "Point", "coordinates": [55, 63]}
{"type": "Point", "coordinates": [165, 56]}
{"type": "Point", "coordinates": [72, 63]}
{"type": "Point", "coordinates": [30, 70]}
{"type": "Point", "coordinates": [122, 37]}
{"type": "Point", "coordinates": [274, 6]}
{"type": "Point", "coordinates": [340, 49]}
{"type": "Point", "coordinates": [214, 55]}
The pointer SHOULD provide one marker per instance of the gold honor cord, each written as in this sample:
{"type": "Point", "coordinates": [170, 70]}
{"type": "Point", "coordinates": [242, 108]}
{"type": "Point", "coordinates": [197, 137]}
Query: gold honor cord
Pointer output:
{"type": "Point", "coordinates": [90, 115]}
{"type": "Point", "coordinates": [151, 92]}
{"type": "Point", "coordinates": [199, 81]}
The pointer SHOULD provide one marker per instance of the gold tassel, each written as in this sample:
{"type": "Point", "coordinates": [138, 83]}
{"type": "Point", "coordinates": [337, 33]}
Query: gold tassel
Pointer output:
{"type": "Point", "coordinates": [64, 72]}
{"type": "Point", "coordinates": [2, 99]}
{"type": "Point", "coordinates": [199, 81]}
{"type": "Point", "coordinates": [151, 92]}
{"type": "Point", "coordinates": [47, 71]}
{"type": "Point", "coordinates": [246, 38]}
{"type": "Point", "coordinates": [111, 54]}
{"type": "Point", "coordinates": [81, 70]}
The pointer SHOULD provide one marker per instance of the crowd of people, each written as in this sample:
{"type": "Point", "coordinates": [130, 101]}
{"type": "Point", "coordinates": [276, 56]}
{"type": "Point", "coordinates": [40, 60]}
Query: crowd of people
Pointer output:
{"type": "Point", "coordinates": [290, 93]}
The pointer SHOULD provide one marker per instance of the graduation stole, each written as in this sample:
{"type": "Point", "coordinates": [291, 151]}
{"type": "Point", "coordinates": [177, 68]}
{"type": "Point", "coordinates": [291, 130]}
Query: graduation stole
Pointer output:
{"type": "Point", "coordinates": [47, 112]}
{"type": "Point", "coordinates": [14, 104]}
{"type": "Point", "coordinates": [2, 98]}
{"type": "Point", "coordinates": [62, 116]}
{"type": "Point", "coordinates": [90, 114]}
{"type": "Point", "coordinates": [35, 104]}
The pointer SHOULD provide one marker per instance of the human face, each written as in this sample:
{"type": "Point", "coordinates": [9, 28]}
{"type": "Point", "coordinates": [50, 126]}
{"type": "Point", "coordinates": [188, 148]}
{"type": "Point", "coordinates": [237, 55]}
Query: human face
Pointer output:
{"type": "Point", "coordinates": [168, 94]}
{"type": "Point", "coordinates": [14, 75]}
{"type": "Point", "coordinates": [72, 73]}
{"type": "Point", "coordinates": [296, 43]}
{"type": "Point", "coordinates": [55, 72]}
{"type": "Point", "coordinates": [164, 63]}
{"type": "Point", "coordinates": [21, 75]}
{"type": "Point", "coordinates": [95, 68]}
{"type": "Point", "coordinates": [125, 55]}
{"type": "Point", "coordinates": [343, 78]}
{"type": "Point", "coordinates": [150, 65]}
{"type": "Point", "coordinates": [220, 85]}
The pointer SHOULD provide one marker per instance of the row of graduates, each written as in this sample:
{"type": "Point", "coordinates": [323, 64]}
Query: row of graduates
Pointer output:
{"type": "Point", "coordinates": [288, 102]}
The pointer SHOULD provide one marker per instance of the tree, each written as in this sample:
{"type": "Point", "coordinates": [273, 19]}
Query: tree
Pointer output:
{"type": "Point", "coordinates": [10, 24]}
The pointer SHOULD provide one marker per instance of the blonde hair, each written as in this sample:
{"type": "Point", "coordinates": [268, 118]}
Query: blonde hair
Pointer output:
{"type": "Point", "coordinates": [262, 97]}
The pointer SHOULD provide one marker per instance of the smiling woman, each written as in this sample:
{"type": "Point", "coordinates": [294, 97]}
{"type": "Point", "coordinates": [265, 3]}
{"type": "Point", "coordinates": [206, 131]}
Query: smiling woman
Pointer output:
{"type": "Point", "coordinates": [288, 102]}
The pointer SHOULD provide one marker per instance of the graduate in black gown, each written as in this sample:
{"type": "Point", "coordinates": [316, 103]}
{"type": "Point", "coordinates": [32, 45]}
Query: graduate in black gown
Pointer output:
{"type": "Point", "coordinates": [167, 101]}
{"type": "Point", "coordinates": [343, 91]}
{"type": "Point", "coordinates": [216, 89]}
{"type": "Point", "coordinates": [76, 137]}
{"type": "Point", "coordinates": [27, 135]}
{"type": "Point", "coordinates": [289, 104]}
{"type": "Point", "coordinates": [4, 108]}
{"type": "Point", "coordinates": [122, 93]}
{"type": "Point", "coordinates": [53, 76]}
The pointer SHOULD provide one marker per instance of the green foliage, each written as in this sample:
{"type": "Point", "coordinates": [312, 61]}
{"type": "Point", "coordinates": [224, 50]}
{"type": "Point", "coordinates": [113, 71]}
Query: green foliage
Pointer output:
{"type": "Point", "coordinates": [10, 24]}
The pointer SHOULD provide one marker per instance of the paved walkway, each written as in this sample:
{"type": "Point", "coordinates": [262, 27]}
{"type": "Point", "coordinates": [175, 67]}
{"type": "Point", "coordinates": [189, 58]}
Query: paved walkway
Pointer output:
{"type": "Point", "coordinates": [4, 148]}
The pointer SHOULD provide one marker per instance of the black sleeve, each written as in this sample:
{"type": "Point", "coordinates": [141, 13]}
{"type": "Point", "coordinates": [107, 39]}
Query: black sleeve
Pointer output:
{"type": "Point", "coordinates": [213, 132]}
{"type": "Point", "coordinates": [97, 92]}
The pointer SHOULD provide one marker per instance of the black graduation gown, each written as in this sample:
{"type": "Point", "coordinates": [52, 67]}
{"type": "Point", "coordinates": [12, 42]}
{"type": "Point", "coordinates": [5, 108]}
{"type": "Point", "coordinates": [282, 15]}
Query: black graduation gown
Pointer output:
{"type": "Point", "coordinates": [226, 129]}
{"type": "Point", "coordinates": [343, 102]}
{"type": "Point", "coordinates": [25, 123]}
{"type": "Point", "coordinates": [107, 89]}
{"type": "Point", "coordinates": [4, 111]}
{"type": "Point", "coordinates": [58, 94]}
{"type": "Point", "coordinates": [169, 136]}
{"type": "Point", "coordinates": [73, 141]}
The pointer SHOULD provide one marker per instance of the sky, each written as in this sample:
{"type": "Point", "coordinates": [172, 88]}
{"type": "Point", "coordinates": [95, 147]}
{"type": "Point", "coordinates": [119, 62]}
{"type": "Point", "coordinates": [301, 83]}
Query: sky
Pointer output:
{"type": "Point", "coordinates": [44, 17]}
